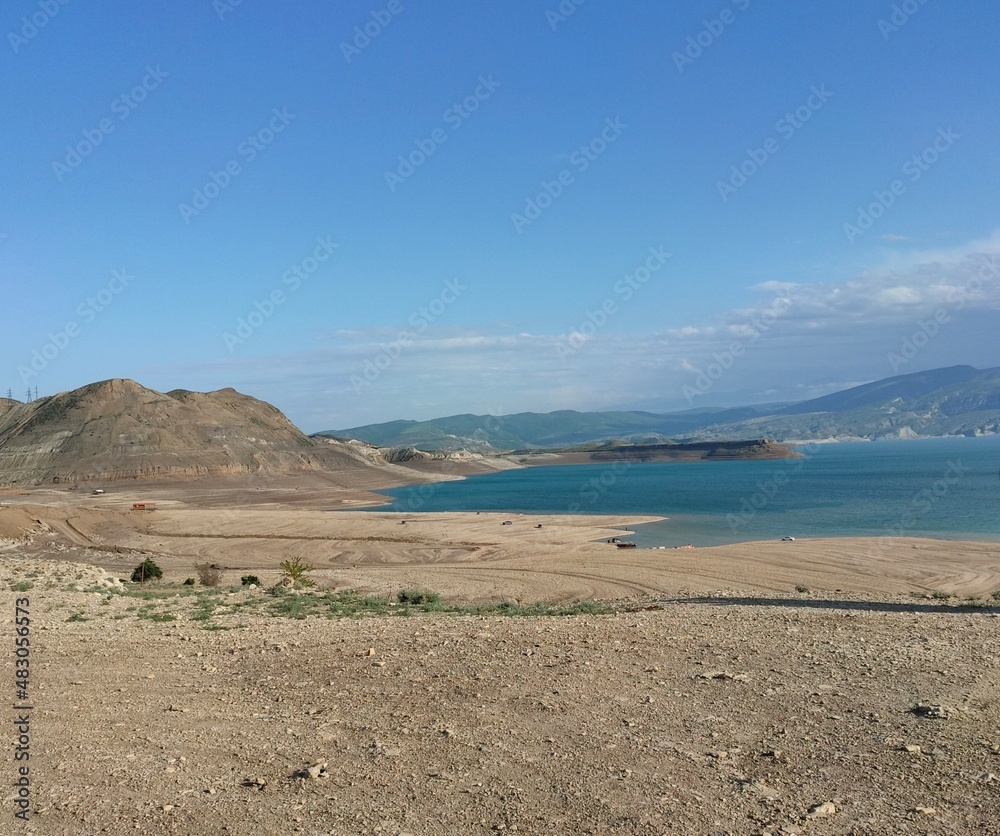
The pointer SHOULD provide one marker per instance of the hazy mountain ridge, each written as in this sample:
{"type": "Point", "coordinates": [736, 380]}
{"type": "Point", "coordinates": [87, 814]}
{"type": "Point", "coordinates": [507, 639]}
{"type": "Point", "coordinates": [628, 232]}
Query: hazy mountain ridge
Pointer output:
{"type": "Point", "coordinates": [534, 430]}
{"type": "Point", "coordinates": [955, 401]}
{"type": "Point", "coordinates": [958, 400]}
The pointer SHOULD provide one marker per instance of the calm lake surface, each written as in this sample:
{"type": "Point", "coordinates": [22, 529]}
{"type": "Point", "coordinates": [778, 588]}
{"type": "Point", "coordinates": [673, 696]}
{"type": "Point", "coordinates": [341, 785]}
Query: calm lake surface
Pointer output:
{"type": "Point", "coordinates": [930, 487]}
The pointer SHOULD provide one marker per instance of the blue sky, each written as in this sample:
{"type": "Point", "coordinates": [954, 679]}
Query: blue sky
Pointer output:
{"type": "Point", "coordinates": [497, 207]}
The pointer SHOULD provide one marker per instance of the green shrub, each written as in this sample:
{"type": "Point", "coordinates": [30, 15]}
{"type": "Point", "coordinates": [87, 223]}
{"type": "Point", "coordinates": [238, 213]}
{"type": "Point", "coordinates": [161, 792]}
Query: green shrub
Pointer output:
{"type": "Point", "coordinates": [189, 582]}
{"type": "Point", "coordinates": [297, 572]}
{"type": "Point", "coordinates": [418, 596]}
{"type": "Point", "coordinates": [146, 571]}
{"type": "Point", "coordinates": [250, 580]}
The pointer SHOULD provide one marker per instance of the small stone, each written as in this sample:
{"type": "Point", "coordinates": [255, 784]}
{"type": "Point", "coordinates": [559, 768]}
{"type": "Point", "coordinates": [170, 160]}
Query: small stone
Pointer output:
{"type": "Point", "coordinates": [371, 651]}
{"type": "Point", "coordinates": [819, 811]}
{"type": "Point", "coordinates": [317, 770]}
{"type": "Point", "coordinates": [930, 711]}
{"type": "Point", "coordinates": [912, 749]}
{"type": "Point", "coordinates": [925, 811]}
{"type": "Point", "coordinates": [761, 790]}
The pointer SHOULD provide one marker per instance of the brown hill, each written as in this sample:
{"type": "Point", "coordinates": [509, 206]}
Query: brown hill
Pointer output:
{"type": "Point", "coordinates": [117, 429]}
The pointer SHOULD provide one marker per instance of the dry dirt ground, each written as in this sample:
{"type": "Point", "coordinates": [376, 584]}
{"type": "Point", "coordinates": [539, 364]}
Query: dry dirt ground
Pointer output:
{"type": "Point", "coordinates": [707, 694]}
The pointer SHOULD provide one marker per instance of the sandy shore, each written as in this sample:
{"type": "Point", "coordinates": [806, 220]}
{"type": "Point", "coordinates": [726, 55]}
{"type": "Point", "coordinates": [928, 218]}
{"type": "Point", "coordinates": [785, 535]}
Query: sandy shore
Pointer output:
{"type": "Point", "coordinates": [467, 556]}
{"type": "Point", "coordinates": [754, 689]}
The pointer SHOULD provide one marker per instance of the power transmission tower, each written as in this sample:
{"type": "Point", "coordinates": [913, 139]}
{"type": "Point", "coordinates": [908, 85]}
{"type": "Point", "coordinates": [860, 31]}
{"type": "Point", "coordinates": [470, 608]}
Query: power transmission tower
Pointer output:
{"type": "Point", "coordinates": [28, 395]}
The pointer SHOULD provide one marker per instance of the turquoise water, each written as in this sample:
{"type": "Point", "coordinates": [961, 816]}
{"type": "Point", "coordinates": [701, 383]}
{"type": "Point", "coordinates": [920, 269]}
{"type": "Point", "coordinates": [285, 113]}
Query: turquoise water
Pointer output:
{"type": "Point", "coordinates": [932, 487]}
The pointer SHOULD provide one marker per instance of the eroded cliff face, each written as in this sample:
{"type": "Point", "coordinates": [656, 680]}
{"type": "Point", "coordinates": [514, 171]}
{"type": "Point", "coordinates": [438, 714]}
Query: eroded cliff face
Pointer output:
{"type": "Point", "coordinates": [117, 429]}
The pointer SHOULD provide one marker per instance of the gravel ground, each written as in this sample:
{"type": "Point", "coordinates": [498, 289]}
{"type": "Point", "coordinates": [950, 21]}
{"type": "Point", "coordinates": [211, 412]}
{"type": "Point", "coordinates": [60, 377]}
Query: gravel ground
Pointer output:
{"type": "Point", "coordinates": [797, 713]}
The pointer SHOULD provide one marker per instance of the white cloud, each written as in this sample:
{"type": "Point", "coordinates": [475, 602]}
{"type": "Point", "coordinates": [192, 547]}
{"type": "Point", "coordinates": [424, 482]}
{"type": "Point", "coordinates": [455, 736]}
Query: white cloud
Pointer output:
{"type": "Point", "coordinates": [814, 336]}
{"type": "Point", "coordinates": [898, 296]}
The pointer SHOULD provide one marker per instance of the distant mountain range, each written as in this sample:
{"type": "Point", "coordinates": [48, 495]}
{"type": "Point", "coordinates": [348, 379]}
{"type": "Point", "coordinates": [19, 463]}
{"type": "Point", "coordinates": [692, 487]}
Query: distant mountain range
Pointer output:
{"type": "Point", "coordinates": [954, 401]}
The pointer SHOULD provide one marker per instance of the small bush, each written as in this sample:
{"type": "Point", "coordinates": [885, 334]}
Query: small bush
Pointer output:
{"type": "Point", "coordinates": [250, 580]}
{"type": "Point", "coordinates": [940, 594]}
{"type": "Point", "coordinates": [208, 574]}
{"type": "Point", "coordinates": [297, 571]}
{"type": "Point", "coordinates": [146, 571]}
{"type": "Point", "coordinates": [418, 596]}
{"type": "Point", "coordinates": [801, 588]}
{"type": "Point", "coordinates": [189, 582]}
{"type": "Point", "coordinates": [996, 595]}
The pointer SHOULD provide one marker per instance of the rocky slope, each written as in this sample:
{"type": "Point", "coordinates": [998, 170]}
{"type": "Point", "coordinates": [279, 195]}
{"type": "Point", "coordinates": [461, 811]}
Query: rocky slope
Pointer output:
{"type": "Point", "coordinates": [117, 429]}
